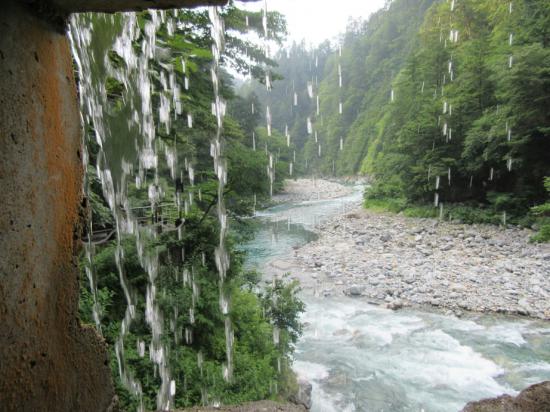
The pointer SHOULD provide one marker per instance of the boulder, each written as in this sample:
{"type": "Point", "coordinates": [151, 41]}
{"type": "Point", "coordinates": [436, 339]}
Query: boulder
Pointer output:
{"type": "Point", "coordinates": [535, 398]}
{"type": "Point", "coordinates": [395, 304]}
{"type": "Point", "coordinates": [354, 290]}
{"type": "Point", "coordinates": [303, 396]}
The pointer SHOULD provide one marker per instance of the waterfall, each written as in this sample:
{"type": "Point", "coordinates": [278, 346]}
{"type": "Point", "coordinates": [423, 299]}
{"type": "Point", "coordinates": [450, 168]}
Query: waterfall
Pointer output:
{"type": "Point", "coordinates": [129, 133]}
{"type": "Point", "coordinates": [93, 99]}
{"type": "Point", "coordinates": [220, 169]}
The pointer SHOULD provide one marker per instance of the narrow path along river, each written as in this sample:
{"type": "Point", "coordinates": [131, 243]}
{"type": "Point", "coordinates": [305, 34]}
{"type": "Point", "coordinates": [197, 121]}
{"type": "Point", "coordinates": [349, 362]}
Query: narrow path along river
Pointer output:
{"type": "Point", "coordinates": [363, 357]}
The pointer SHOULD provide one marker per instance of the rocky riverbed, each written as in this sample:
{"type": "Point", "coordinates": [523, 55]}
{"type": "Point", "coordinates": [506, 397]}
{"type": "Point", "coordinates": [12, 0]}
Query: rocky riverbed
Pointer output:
{"type": "Point", "coordinates": [398, 261]}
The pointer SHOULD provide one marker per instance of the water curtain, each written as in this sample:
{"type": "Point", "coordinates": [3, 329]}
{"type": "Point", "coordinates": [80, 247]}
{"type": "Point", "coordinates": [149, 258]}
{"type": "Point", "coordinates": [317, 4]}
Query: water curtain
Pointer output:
{"type": "Point", "coordinates": [122, 49]}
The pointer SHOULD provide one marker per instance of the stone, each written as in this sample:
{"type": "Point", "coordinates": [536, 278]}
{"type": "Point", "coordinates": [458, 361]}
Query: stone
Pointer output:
{"type": "Point", "coordinates": [303, 397]}
{"type": "Point", "coordinates": [524, 308]}
{"type": "Point", "coordinates": [475, 276]}
{"type": "Point", "coordinates": [458, 287]}
{"type": "Point", "coordinates": [109, 6]}
{"type": "Point", "coordinates": [385, 238]}
{"type": "Point", "coordinates": [395, 304]}
{"type": "Point", "coordinates": [535, 398]}
{"type": "Point", "coordinates": [354, 290]}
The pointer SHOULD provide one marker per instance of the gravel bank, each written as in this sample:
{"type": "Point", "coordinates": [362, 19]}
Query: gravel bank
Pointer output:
{"type": "Point", "coordinates": [300, 190]}
{"type": "Point", "coordinates": [400, 261]}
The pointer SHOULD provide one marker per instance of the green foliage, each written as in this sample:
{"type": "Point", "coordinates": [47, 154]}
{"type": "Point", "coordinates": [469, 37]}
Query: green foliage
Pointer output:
{"type": "Point", "coordinates": [466, 212]}
{"type": "Point", "coordinates": [543, 236]}
{"type": "Point", "coordinates": [543, 214]}
{"type": "Point", "coordinates": [114, 89]}
{"type": "Point", "coordinates": [372, 53]}
{"type": "Point", "coordinates": [187, 273]}
{"type": "Point", "coordinates": [295, 69]}
{"type": "Point", "coordinates": [283, 306]}
{"type": "Point", "coordinates": [483, 132]}
{"type": "Point", "coordinates": [461, 112]}
{"type": "Point", "coordinates": [256, 357]}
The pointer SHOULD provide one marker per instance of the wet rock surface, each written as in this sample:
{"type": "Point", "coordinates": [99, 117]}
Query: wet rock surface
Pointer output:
{"type": "Point", "coordinates": [303, 397]}
{"type": "Point", "coordinates": [398, 261]}
{"type": "Point", "coordinates": [535, 398]}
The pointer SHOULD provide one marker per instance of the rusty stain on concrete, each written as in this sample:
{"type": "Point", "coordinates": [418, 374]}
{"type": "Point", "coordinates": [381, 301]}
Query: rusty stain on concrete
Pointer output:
{"type": "Point", "coordinates": [48, 360]}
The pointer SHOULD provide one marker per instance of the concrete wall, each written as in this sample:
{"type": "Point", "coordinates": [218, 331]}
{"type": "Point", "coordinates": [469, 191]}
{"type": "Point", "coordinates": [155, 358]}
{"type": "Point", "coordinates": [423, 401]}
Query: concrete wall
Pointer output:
{"type": "Point", "coordinates": [48, 362]}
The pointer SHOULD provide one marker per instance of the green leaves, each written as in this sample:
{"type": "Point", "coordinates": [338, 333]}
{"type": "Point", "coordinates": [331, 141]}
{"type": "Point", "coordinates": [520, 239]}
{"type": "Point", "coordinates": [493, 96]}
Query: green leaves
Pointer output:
{"type": "Point", "coordinates": [462, 107]}
{"type": "Point", "coordinates": [187, 276]}
{"type": "Point", "coordinates": [475, 108]}
{"type": "Point", "coordinates": [543, 211]}
{"type": "Point", "coordinates": [283, 307]}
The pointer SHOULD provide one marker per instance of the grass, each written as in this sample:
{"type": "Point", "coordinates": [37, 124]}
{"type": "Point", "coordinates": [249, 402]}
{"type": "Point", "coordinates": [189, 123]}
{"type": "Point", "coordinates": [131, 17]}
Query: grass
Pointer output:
{"type": "Point", "coordinates": [465, 213]}
{"type": "Point", "coordinates": [381, 198]}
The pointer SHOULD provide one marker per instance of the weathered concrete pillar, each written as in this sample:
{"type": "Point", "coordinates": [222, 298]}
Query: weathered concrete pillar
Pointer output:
{"type": "Point", "coordinates": [48, 361]}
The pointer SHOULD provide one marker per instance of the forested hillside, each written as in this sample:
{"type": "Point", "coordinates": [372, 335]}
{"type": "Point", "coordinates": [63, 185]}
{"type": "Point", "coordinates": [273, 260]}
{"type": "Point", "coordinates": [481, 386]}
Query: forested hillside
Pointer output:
{"type": "Point", "coordinates": [441, 101]}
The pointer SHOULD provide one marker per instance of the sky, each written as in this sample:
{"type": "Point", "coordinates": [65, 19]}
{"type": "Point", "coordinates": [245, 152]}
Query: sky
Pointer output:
{"type": "Point", "coordinates": [318, 20]}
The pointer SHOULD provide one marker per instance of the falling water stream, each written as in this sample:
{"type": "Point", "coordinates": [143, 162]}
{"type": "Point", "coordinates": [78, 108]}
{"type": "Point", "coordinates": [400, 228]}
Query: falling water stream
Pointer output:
{"type": "Point", "coordinates": [129, 153]}
{"type": "Point", "coordinates": [220, 168]}
{"type": "Point", "coordinates": [361, 357]}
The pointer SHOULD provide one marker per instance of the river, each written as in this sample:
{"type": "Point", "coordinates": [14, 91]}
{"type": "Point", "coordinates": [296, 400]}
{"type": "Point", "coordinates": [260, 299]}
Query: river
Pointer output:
{"type": "Point", "coordinates": [362, 357]}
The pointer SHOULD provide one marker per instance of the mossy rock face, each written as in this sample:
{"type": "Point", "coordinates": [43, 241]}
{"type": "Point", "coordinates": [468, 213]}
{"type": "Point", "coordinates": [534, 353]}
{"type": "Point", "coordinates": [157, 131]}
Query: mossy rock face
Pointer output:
{"type": "Point", "coordinates": [535, 398]}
